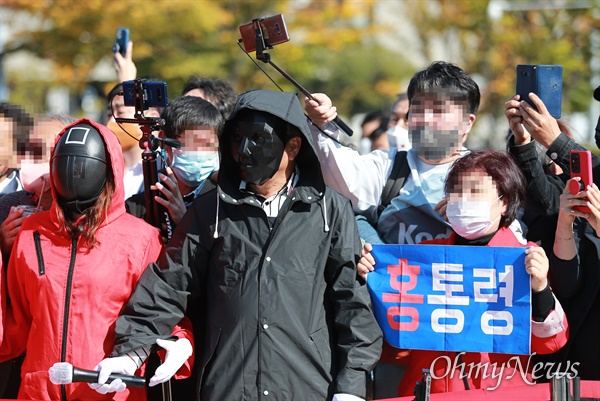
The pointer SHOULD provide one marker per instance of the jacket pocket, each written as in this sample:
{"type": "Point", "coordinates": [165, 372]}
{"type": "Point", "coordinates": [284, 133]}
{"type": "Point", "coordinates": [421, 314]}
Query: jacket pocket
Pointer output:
{"type": "Point", "coordinates": [35, 386]}
{"type": "Point", "coordinates": [320, 339]}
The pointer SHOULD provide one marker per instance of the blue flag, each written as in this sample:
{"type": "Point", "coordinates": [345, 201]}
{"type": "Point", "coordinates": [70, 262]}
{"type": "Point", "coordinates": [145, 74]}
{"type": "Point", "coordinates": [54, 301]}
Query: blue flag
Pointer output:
{"type": "Point", "coordinates": [452, 298]}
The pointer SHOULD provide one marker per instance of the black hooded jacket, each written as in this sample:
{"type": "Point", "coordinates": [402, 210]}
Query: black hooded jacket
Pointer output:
{"type": "Point", "coordinates": [278, 312]}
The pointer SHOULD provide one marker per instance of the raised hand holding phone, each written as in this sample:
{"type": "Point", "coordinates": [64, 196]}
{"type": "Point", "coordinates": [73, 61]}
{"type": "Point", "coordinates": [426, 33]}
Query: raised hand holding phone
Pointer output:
{"type": "Point", "coordinates": [581, 166]}
{"type": "Point", "coordinates": [121, 41]}
{"type": "Point", "coordinates": [123, 56]}
{"type": "Point", "coordinates": [543, 80]}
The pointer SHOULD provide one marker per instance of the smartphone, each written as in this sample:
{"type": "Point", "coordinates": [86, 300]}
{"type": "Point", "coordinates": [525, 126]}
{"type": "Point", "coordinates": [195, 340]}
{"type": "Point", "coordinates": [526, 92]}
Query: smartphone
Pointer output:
{"type": "Point", "coordinates": [273, 30]}
{"type": "Point", "coordinates": [581, 166]}
{"type": "Point", "coordinates": [155, 94]}
{"type": "Point", "coordinates": [121, 41]}
{"type": "Point", "coordinates": [543, 80]}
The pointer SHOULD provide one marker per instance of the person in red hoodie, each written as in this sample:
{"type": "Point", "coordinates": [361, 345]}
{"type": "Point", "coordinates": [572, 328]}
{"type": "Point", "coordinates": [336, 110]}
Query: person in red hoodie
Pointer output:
{"type": "Point", "coordinates": [485, 190]}
{"type": "Point", "coordinates": [73, 267]}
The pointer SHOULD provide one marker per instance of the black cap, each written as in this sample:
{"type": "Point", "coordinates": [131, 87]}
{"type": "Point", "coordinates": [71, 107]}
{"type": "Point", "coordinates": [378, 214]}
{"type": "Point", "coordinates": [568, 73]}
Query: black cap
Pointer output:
{"type": "Point", "coordinates": [597, 93]}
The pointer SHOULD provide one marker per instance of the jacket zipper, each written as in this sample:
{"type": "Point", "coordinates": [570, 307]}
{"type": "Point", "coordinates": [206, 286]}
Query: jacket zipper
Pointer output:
{"type": "Point", "coordinates": [63, 352]}
{"type": "Point", "coordinates": [38, 251]}
{"type": "Point", "coordinates": [280, 216]}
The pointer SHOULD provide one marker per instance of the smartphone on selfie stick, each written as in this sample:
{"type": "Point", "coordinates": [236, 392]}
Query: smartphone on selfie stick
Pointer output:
{"type": "Point", "coordinates": [264, 33]}
{"type": "Point", "coordinates": [581, 166]}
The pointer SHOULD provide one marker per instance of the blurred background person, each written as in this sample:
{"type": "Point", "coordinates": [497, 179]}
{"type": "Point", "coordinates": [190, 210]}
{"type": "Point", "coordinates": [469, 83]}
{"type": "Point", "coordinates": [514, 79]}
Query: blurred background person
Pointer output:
{"type": "Point", "coordinates": [373, 121]}
{"type": "Point", "coordinates": [217, 91]}
{"type": "Point", "coordinates": [15, 128]}
{"type": "Point", "coordinates": [397, 132]}
{"type": "Point", "coordinates": [16, 206]}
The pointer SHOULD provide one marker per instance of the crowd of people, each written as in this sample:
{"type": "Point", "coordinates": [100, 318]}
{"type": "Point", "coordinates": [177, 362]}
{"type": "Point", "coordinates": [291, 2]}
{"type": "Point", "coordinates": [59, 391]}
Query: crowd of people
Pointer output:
{"type": "Point", "coordinates": [259, 291]}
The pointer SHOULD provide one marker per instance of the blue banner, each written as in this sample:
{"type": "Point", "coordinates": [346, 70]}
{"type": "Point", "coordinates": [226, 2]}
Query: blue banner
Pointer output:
{"type": "Point", "coordinates": [452, 298]}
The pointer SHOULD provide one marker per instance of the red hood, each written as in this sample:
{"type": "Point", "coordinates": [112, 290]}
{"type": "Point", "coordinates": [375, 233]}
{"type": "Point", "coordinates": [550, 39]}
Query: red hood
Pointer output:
{"type": "Point", "coordinates": [117, 203]}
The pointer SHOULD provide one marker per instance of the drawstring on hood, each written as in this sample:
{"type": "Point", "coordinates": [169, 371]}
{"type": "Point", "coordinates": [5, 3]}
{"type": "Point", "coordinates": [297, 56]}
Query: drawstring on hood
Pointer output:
{"type": "Point", "coordinates": [216, 233]}
{"type": "Point", "coordinates": [323, 204]}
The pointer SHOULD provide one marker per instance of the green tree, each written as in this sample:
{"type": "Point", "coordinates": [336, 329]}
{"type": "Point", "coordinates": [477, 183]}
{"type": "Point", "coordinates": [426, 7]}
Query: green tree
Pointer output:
{"type": "Point", "coordinates": [329, 50]}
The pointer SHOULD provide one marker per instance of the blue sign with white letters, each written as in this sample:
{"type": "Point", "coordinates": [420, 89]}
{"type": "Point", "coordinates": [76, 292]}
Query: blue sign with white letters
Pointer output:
{"type": "Point", "coordinates": [452, 298]}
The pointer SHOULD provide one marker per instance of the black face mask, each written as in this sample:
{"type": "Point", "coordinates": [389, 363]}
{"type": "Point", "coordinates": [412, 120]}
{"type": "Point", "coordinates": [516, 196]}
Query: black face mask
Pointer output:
{"type": "Point", "coordinates": [259, 148]}
{"type": "Point", "coordinates": [433, 144]}
{"type": "Point", "coordinates": [78, 167]}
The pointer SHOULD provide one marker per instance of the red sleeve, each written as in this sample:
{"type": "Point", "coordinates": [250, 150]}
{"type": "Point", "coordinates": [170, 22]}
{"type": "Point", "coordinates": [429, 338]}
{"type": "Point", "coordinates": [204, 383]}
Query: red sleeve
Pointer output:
{"type": "Point", "coordinates": [16, 317]}
{"type": "Point", "coordinates": [552, 334]}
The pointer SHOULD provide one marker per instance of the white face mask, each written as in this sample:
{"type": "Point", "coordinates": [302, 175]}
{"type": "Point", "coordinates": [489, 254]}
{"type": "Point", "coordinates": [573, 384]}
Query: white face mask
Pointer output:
{"type": "Point", "coordinates": [34, 176]}
{"type": "Point", "coordinates": [364, 146]}
{"type": "Point", "coordinates": [398, 137]}
{"type": "Point", "coordinates": [471, 219]}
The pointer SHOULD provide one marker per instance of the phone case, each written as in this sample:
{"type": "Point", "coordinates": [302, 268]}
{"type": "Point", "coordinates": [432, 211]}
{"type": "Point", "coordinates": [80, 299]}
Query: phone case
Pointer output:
{"type": "Point", "coordinates": [274, 31]}
{"type": "Point", "coordinates": [121, 41]}
{"type": "Point", "coordinates": [581, 166]}
{"type": "Point", "coordinates": [543, 80]}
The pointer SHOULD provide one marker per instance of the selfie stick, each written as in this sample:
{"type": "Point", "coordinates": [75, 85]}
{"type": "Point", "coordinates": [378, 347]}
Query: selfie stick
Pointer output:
{"type": "Point", "coordinates": [156, 214]}
{"type": "Point", "coordinates": [266, 58]}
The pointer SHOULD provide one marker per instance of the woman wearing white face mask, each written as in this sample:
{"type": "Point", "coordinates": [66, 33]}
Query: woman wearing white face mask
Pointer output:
{"type": "Point", "coordinates": [485, 191]}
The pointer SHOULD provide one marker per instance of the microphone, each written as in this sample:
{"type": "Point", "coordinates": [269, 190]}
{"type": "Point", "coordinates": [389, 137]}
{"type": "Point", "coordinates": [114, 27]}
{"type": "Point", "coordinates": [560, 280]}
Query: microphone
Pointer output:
{"type": "Point", "coordinates": [65, 373]}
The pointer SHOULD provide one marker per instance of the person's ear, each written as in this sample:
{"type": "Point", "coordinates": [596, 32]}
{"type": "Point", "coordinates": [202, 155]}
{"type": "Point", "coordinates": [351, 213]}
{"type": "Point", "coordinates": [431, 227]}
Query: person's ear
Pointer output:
{"type": "Point", "coordinates": [293, 147]}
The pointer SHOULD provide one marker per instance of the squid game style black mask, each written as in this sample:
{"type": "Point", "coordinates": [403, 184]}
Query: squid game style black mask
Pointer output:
{"type": "Point", "coordinates": [260, 140]}
{"type": "Point", "coordinates": [78, 167]}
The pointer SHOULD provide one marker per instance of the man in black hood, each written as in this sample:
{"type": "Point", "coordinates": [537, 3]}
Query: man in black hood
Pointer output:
{"type": "Point", "coordinates": [265, 267]}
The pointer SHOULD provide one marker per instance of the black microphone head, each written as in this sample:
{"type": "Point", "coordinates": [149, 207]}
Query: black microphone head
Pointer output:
{"type": "Point", "coordinates": [597, 93]}
{"type": "Point", "coordinates": [61, 373]}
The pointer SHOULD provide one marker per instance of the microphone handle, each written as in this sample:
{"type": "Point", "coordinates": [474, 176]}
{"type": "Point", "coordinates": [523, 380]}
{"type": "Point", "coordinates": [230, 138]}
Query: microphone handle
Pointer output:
{"type": "Point", "coordinates": [343, 126]}
{"type": "Point", "coordinates": [90, 376]}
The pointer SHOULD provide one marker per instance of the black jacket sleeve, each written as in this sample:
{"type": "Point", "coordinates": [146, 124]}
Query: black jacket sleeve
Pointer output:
{"type": "Point", "coordinates": [359, 338]}
{"type": "Point", "coordinates": [163, 291]}
{"type": "Point", "coordinates": [559, 153]}
{"type": "Point", "coordinates": [543, 191]}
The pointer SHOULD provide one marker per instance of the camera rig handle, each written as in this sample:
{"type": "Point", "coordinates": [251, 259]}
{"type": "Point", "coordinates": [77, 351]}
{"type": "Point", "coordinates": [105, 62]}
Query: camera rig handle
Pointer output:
{"type": "Point", "coordinates": [422, 390]}
{"type": "Point", "coordinates": [156, 214]}
{"type": "Point", "coordinates": [266, 58]}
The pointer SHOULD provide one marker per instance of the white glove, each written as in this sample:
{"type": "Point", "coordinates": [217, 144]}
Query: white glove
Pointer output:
{"type": "Point", "coordinates": [177, 353]}
{"type": "Point", "coordinates": [346, 397]}
{"type": "Point", "coordinates": [119, 364]}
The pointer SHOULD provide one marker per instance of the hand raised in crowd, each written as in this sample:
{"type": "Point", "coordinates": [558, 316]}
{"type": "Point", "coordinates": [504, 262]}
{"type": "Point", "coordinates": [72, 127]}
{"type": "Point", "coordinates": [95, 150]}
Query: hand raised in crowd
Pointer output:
{"type": "Point", "coordinates": [367, 262]}
{"type": "Point", "coordinates": [441, 208]}
{"type": "Point", "coordinates": [537, 264]}
{"type": "Point", "coordinates": [173, 200]}
{"type": "Point", "coordinates": [124, 66]}
{"type": "Point", "coordinates": [515, 121]}
{"type": "Point", "coordinates": [567, 214]}
{"type": "Point", "coordinates": [9, 229]}
{"type": "Point", "coordinates": [540, 124]}
{"type": "Point", "coordinates": [320, 111]}
{"type": "Point", "coordinates": [564, 239]}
